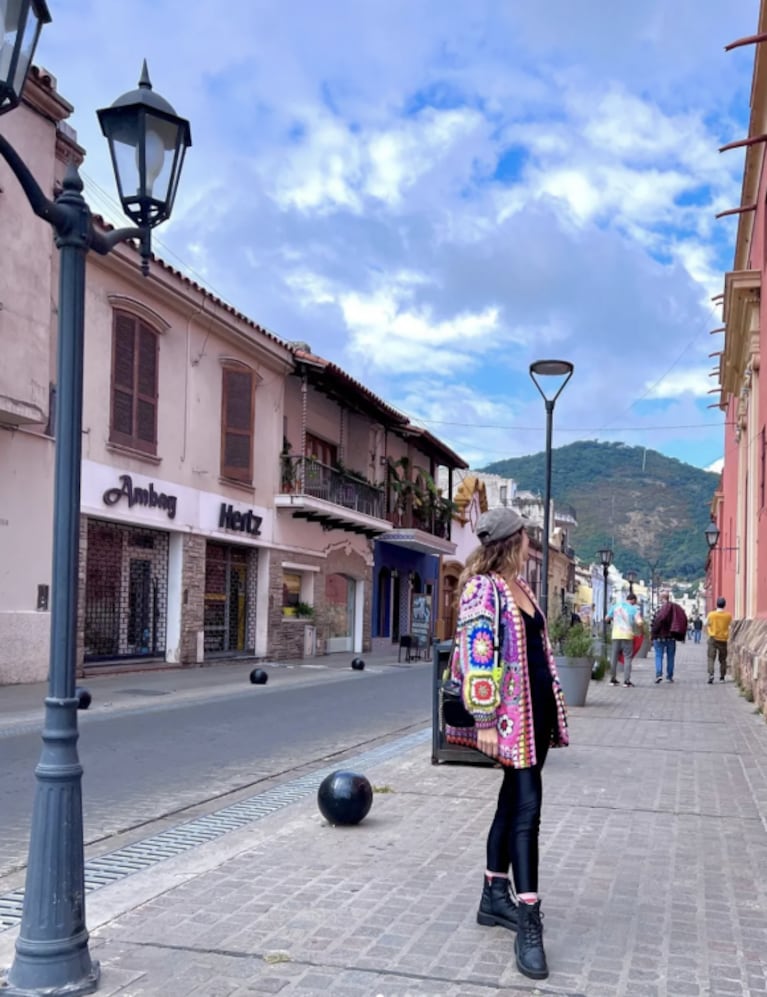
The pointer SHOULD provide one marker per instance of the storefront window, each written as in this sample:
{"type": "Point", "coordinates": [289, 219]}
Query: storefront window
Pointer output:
{"type": "Point", "coordinates": [291, 592]}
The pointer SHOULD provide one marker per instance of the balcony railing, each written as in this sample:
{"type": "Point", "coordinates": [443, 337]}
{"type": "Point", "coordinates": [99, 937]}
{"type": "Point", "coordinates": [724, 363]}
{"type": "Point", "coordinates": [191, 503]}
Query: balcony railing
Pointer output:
{"type": "Point", "coordinates": [417, 520]}
{"type": "Point", "coordinates": [305, 476]}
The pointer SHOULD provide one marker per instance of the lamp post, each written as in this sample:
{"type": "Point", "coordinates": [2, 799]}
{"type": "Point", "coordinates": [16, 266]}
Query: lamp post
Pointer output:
{"type": "Point", "coordinates": [631, 577]}
{"type": "Point", "coordinates": [52, 956]}
{"type": "Point", "coordinates": [605, 556]}
{"type": "Point", "coordinates": [711, 533]}
{"type": "Point", "coordinates": [548, 368]}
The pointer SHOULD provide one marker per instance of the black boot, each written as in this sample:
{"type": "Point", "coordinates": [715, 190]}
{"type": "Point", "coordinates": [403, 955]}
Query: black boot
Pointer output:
{"type": "Point", "coordinates": [496, 905]}
{"type": "Point", "coordinates": [528, 945]}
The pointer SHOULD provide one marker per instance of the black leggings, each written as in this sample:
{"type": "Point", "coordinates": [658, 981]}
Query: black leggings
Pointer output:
{"type": "Point", "coordinates": [513, 837]}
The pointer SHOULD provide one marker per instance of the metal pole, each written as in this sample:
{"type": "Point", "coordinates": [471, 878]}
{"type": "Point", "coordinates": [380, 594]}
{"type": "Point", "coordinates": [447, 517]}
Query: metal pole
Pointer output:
{"type": "Point", "coordinates": [605, 569]}
{"type": "Point", "coordinates": [52, 954]}
{"type": "Point", "coordinates": [546, 511]}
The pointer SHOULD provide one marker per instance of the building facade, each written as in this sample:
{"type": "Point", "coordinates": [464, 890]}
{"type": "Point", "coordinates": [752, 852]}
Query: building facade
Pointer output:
{"type": "Point", "coordinates": [737, 565]}
{"type": "Point", "coordinates": [236, 490]}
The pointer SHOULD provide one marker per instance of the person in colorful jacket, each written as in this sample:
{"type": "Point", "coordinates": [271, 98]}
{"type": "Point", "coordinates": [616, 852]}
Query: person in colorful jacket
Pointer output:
{"type": "Point", "coordinates": [519, 712]}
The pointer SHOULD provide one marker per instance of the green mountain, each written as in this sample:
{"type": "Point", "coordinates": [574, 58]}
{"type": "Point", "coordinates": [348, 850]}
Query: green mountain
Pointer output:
{"type": "Point", "coordinates": [651, 509]}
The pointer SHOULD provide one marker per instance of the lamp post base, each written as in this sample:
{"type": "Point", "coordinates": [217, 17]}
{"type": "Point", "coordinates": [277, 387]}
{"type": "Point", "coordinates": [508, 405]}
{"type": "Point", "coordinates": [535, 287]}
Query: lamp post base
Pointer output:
{"type": "Point", "coordinates": [52, 955]}
{"type": "Point", "coordinates": [86, 974]}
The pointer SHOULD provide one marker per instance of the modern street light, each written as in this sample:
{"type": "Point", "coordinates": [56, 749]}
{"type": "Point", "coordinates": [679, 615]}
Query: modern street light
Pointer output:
{"type": "Point", "coordinates": [605, 556]}
{"type": "Point", "coordinates": [548, 368]}
{"type": "Point", "coordinates": [52, 956]}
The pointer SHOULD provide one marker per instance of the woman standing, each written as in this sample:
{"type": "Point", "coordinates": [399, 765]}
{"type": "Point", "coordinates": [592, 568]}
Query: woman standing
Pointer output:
{"type": "Point", "coordinates": [519, 711]}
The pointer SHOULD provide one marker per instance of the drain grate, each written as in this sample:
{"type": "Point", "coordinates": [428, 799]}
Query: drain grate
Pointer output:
{"type": "Point", "coordinates": [174, 841]}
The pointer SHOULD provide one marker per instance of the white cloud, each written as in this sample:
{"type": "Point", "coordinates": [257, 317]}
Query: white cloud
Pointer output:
{"type": "Point", "coordinates": [436, 195]}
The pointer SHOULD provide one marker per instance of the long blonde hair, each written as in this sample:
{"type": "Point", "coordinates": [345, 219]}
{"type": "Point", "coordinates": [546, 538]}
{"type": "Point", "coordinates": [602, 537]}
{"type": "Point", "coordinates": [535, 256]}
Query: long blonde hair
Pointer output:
{"type": "Point", "coordinates": [503, 557]}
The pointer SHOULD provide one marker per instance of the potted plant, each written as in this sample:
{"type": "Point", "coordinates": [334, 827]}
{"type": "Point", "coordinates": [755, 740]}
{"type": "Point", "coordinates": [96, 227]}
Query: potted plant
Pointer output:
{"type": "Point", "coordinates": [574, 664]}
{"type": "Point", "coordinates": [305, 610]}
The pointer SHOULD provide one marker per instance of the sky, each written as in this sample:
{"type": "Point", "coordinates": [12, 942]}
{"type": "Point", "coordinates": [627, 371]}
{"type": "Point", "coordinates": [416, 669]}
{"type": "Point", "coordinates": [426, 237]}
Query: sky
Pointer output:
{"type": "Point", "coordinates": [434, 194]}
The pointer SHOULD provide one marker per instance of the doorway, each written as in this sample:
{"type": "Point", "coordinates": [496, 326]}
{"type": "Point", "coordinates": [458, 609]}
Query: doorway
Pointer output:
{"type": "Point", "coordinates": [340, 600]}
{"type": "Point", "coordinates": [226, 599]}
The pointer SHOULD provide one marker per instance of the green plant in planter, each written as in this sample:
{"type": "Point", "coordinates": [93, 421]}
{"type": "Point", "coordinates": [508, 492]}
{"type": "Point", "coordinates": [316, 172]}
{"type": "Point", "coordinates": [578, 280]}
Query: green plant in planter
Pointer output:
{"type": "Point", "coordinates": [577, 642]}
{"type": "Point", "coordinates": [558, 627]}
{"type": "Point", "coordinates": [304, 609]}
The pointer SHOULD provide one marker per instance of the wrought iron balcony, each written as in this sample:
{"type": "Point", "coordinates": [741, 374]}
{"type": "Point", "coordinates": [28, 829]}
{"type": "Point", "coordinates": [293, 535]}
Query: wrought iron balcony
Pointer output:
{"type": "Point", "coordinates": [305, 476]}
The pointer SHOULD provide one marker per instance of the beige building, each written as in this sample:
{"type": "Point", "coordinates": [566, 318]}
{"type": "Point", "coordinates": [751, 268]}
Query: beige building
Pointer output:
{"type": "Point", "coordinates": [233, 485]}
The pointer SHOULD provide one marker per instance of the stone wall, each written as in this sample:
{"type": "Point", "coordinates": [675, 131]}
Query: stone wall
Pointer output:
{"type": "Point", "coordinates": [747, 659]}
{"type": "Point", "coordinates": [192, 598]}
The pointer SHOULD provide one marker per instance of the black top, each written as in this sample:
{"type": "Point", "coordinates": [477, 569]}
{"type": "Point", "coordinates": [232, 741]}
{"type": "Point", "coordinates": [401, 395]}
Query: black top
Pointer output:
{"type": "Point", "coordinates": [541, 687]}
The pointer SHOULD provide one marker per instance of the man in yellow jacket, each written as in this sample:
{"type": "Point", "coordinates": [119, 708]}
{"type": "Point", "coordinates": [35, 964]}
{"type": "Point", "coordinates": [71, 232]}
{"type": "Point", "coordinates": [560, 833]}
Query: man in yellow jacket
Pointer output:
{"type": "Point", "coordinates": [718, 629]}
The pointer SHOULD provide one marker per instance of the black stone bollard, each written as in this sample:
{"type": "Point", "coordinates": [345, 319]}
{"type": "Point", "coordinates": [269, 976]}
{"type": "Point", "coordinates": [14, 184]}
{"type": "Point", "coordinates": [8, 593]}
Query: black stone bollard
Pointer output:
{"type": "Point", "coordinates": [83, 698]}
{"type": "Point", "coordinates": [344, 797]}
{"type": "Point", "coordinates": [259, 677]}
{"type": "Point", "coordinates": [358, 664]}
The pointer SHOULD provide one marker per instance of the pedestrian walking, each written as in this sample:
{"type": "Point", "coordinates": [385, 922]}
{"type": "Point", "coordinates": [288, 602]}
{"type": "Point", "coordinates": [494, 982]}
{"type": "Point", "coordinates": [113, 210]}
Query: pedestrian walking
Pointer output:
{"type": "Point", "coordinates": [718, 628]}
{"type": "Point", "coordinates": [511, 689]}
{"type": "Point", "coordinates": [669, 625]}
{"type": "Point", "coordinates": [626, 620]}
{"type": "Point", "coordinates": [697, 628]}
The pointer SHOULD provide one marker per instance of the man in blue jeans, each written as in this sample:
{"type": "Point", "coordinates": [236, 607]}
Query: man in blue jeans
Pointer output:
{"type": "Point", "coordinates": [664, 621]}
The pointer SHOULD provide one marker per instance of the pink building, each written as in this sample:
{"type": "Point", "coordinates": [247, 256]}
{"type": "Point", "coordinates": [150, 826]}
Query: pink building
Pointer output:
{"type": "Point", "coordinates": [234, 486]}
{"type": "Point", "coordinates": [737, 567]}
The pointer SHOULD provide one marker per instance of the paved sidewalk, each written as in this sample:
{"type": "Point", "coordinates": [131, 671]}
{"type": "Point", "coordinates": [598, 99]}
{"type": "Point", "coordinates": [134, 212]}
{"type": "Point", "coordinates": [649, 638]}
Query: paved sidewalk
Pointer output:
{"type": "Point", "coordinates": [653, 858]}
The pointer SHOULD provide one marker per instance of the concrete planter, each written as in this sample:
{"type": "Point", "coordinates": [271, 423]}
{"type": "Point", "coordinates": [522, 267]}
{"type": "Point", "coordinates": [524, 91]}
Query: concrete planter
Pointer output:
{"type": "Point", "coordinates": [575, 675]}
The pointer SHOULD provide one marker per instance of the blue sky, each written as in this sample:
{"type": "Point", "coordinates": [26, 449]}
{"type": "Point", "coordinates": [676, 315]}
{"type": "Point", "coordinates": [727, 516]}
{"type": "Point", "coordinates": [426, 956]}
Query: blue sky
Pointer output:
{"type": "Point", "coordinates": [435, 193]}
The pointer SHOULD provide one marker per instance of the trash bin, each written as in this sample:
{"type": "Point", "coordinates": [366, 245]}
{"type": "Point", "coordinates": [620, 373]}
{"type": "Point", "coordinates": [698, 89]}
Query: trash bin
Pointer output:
{"type": "Point", "coordinates": [441, 751]}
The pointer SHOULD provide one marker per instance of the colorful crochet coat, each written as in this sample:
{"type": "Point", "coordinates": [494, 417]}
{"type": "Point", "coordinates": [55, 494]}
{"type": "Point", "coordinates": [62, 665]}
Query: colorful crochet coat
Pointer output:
{"type": "Point", "coordinates": [499, 697]}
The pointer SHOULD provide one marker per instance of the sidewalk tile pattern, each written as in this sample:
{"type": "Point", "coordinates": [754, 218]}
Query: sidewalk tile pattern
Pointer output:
{"type": "Point", "coordinates": [654, 846]}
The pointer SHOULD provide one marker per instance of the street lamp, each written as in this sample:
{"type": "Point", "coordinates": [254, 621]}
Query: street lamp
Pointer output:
{"type": "Point", "coordinates": [711, 533]}
{"type": "Point", "coordinates": [631, 577]}
{"type": "Point", "coordinates": [52, 956]}
{"type": "Point", "coordinates": [548, 368]}
{"type": "Point", "coordinates": [18, 39]}
{"type": "Point", "coordinates": [605, 556]}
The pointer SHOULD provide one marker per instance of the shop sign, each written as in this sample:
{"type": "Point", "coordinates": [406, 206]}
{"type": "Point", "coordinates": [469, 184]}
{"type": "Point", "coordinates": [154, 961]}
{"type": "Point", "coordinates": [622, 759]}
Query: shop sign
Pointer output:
{"type": "Point", "coordinates": [141, 496]}
{"type": "Point", "coordinates": [241, 522]}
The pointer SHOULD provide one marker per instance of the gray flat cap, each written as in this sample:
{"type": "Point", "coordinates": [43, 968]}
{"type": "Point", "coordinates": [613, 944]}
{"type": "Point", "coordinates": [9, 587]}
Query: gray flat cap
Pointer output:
{"type": "Point", "coordinates": [498, 524]}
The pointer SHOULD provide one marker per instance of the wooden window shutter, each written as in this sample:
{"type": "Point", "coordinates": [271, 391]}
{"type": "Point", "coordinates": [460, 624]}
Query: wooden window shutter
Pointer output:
{"type": "Point", "coordinates": [134, 384]}
{"type": "Point", "coordinates": [237, 424]}
{"type": "Point", "coordinates": [146, 393]}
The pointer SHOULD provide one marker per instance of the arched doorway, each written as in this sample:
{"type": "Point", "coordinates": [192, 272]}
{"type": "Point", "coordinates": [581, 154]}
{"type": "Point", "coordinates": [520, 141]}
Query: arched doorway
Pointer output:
{"type": "Point", "coordinates": [340, 599]}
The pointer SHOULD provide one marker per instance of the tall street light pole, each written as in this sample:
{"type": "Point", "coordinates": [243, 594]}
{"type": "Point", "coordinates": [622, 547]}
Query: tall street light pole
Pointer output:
{"type": "Point", "coordinates": [147, 142]}
{"type": "Point", "coordinates": [631, 576]}
{"type": "Point", "coordinates": [558, 369]}
{"type": "Point", "coordinates": [605, 556]}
